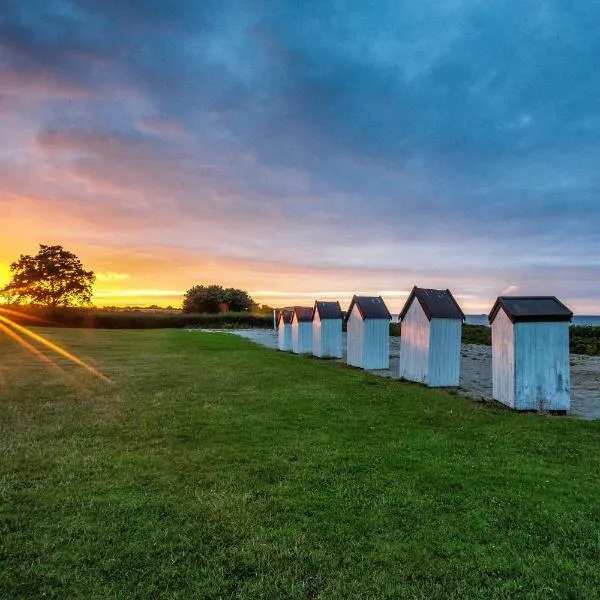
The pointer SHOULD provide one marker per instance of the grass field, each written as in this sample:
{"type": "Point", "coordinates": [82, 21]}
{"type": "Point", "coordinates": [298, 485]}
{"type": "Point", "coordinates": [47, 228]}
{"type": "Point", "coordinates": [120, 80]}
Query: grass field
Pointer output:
{"type": "Point", "coordinates": [214, 468]}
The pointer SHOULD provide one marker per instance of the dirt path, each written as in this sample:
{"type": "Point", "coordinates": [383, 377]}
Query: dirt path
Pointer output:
{"type": "Point", "coordinates": [476, 372]}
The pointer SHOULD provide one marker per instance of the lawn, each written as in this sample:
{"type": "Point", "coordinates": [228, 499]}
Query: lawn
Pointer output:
{"type": "Point", "coordinates": [215, 468]}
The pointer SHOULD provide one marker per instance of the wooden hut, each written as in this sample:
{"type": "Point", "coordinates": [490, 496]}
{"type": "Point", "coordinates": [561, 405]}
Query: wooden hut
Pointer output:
{"type": "Point", "coordinates": [284, 329]}
{"type": "Point", "coordinates": [368, 333]}
{"type": "Point", "coordinates": [302, 329]}
{"type": "Point", "coordinates": [431, 336]}
{"type": "Point", "coordinates": [530, 353]}
{"type": "Point", "coordinates": [327, 329]}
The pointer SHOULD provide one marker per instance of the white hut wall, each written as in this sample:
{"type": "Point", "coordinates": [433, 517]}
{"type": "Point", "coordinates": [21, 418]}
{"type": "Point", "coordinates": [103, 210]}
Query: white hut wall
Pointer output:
{"type": "Point", "coordinates": [376, 348]}
{"type": "Point", "coordinates": [542, 375]}
{"type": "Point", "coordinates": [355, 331]}
{"type": "Point", "coordinates": [317, 346]}
{"type": "Point", "coordinates": [301, 337]}
{"type": "Point", "coordinates": [331, 338]}
{"type": "Point", "coordinates": [503, 359]}
{"type": "Point", "coordinates": [284, 336]}
{"type": "Point", "coordinates": [414, 344]}
{"type": "Point", "coordinates": [295, 334]}
{"type": "Point", "coordinates": [444, 352]}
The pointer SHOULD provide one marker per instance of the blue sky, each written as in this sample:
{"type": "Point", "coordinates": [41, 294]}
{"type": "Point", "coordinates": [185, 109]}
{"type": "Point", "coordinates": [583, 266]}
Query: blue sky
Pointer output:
{"type": "Point", "coordinates": [295, 148]}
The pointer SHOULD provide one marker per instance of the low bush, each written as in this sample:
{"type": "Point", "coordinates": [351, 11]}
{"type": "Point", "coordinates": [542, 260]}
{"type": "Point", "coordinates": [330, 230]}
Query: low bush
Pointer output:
{"type": "Point", "coordinates": [477, 334]}
{"type": "Point", "coordinates": [94, 318]}
{"type": "Point", "coordinates": [585, 339]}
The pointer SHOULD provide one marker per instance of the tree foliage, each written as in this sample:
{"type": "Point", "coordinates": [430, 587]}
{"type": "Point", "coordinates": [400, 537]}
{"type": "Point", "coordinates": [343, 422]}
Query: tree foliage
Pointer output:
{"type": "Point", "coordinates": [53, 277]}
{"type": "Point", "coordinates": [216, 299]}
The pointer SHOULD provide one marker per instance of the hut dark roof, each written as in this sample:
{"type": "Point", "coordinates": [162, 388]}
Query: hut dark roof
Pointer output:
{"type": "Point", "coordinates": [369, 307]}
{"type": "Point", "coordinates": [303, 313]}
{"type": "Point", "coordinates": [436, 304]}
{"type": "Point", "coordinates": [523, 309]}
{"type": "Point", "coordinates": [285, 314]}
{"type": "Point", "coordinates": [327, 310]}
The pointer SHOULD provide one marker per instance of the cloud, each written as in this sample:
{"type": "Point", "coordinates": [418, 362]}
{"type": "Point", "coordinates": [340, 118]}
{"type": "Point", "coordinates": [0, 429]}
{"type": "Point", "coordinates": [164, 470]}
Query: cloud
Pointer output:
{"type": "Point", "coordinates": [110, 276]}
{"type": "Point", "coordinates": [511, 289]}
{"type": "Point", "coordinates": [416, 143]}
{"type": "Point", "coordinates": [160, 125]}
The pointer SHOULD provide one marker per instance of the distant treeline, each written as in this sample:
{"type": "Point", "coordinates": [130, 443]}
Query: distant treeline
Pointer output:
{"type": "Point", "coordinates": [97, 318]}
{"type": "Point", "coordinates": [584, 339]}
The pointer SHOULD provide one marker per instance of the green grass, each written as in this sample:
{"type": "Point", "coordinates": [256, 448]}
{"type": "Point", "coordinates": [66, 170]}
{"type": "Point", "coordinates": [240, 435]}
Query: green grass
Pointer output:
{"type": "Point", "coordinates": [214, 468]}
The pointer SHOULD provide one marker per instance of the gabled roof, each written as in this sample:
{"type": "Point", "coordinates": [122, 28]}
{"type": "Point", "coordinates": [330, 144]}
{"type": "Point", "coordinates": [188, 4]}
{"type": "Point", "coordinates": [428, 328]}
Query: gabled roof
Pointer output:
{"type": "Point", "coordinates": [327, 310]}
{"type": "Point", "coordinates": [303, 313]}
{"type": "Point", "coordinates": [436, 304]}
{"type": "Point", "coordinates": [369, 307]}
{"type": "Point", "coordinates": [523, 309]}
{"type": "Point", "coordinates": [285, 314]}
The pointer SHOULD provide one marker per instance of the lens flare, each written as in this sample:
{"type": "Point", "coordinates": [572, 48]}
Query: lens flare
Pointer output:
{"type": "Point", "coordinates": [11, 334]}
{"type": "Point", "coordinates": [25, 316]}
{"type": "Point", "coordinates": [6, 323]}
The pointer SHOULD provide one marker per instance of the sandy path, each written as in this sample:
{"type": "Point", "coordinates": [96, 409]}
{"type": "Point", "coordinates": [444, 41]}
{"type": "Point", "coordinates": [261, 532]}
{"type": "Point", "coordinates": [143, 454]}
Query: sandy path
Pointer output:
{"type": "Point", "coordinates": [476, 372]}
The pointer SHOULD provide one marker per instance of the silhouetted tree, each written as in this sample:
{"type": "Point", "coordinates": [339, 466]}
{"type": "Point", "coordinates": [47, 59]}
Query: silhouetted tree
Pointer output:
{"type": "Point", "coordinates": [53, 277]}
{"type": "Point", "coordinates": [215, 299]}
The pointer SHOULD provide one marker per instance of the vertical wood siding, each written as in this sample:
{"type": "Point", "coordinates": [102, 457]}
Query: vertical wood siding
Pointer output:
{"type": "Point", "coordinates": [354, 338]}
{"type": "Point", "coordinates": [542, 374]}
{"type": "Point", "coordinates": [443, 369]}
{"type": "Point", "coordinates": [414, 344]}
{"type": "Point", "coordinates": [376, 348]}
{"type": "Point", "coordinates": [284, 336]}
{"type": "Point", "coordinates": [367, 342]}
{"type": "Point", "coordinates": [316, 334]}
{"type": "Point", "coordinates": [301, 337]}
{"type": "Point", "coordinates": [503, 360]}
{"type": "Point", "coordinates": [327, 337]}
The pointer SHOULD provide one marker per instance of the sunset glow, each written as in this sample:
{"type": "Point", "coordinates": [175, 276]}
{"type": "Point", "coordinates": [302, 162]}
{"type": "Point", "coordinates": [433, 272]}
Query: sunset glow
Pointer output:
{"type": "Point", "coordinates": [296, 150]}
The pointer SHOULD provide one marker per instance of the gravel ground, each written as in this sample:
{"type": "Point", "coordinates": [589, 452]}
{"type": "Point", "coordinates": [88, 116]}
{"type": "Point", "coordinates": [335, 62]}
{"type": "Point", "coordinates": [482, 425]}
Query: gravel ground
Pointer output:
{"type": "Point", "coordinates": [476, 372]}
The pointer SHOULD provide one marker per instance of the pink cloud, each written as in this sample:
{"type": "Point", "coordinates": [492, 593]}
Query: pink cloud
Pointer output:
{"type": "Point", "coordinates": [40, 84]}
{"type": "Point", "coordinates": [160, 125]}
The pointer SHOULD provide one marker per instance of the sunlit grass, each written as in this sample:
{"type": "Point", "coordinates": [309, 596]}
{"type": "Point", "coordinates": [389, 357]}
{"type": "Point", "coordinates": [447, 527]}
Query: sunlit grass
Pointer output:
{"type": "Point", "coordinates": [214, 468]}
{"type": "Point", "coordinates": [23, 336]}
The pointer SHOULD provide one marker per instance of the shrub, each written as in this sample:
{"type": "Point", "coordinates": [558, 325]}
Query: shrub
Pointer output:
{"type": "Point", "coordinates": [477, 334]}
{"type": "Point", "coordinates": [134, 319]}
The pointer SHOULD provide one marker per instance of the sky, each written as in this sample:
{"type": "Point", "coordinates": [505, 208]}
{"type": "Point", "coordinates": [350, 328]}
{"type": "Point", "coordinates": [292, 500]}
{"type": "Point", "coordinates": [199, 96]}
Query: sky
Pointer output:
{"type": "Point", "coordinates": [306, 149]}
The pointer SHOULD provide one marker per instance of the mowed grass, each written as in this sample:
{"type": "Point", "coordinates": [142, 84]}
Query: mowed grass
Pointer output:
{"type": "Point", "coordinates": [215, 468]}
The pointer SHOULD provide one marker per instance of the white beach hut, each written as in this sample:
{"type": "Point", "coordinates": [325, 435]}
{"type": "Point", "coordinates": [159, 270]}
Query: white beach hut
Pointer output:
{"type": "Point", "coordinates": [284, 329]}
{"type": "Point", "coordinates": [431, 335]}
{"type": "Point", "coordinates": [302, 329]}
{"type": "Point", "coordinates": [327, 329]}
{"type": "Point", "coordinates": [530, 353]}
{"type": "Point", "coordinates": [368, 333]}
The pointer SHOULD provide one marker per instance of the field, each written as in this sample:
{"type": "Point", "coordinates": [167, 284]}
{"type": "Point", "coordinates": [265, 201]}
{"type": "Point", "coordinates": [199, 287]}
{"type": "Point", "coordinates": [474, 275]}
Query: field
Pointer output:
{"type": "Point", "coordinates": [214, 468]}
